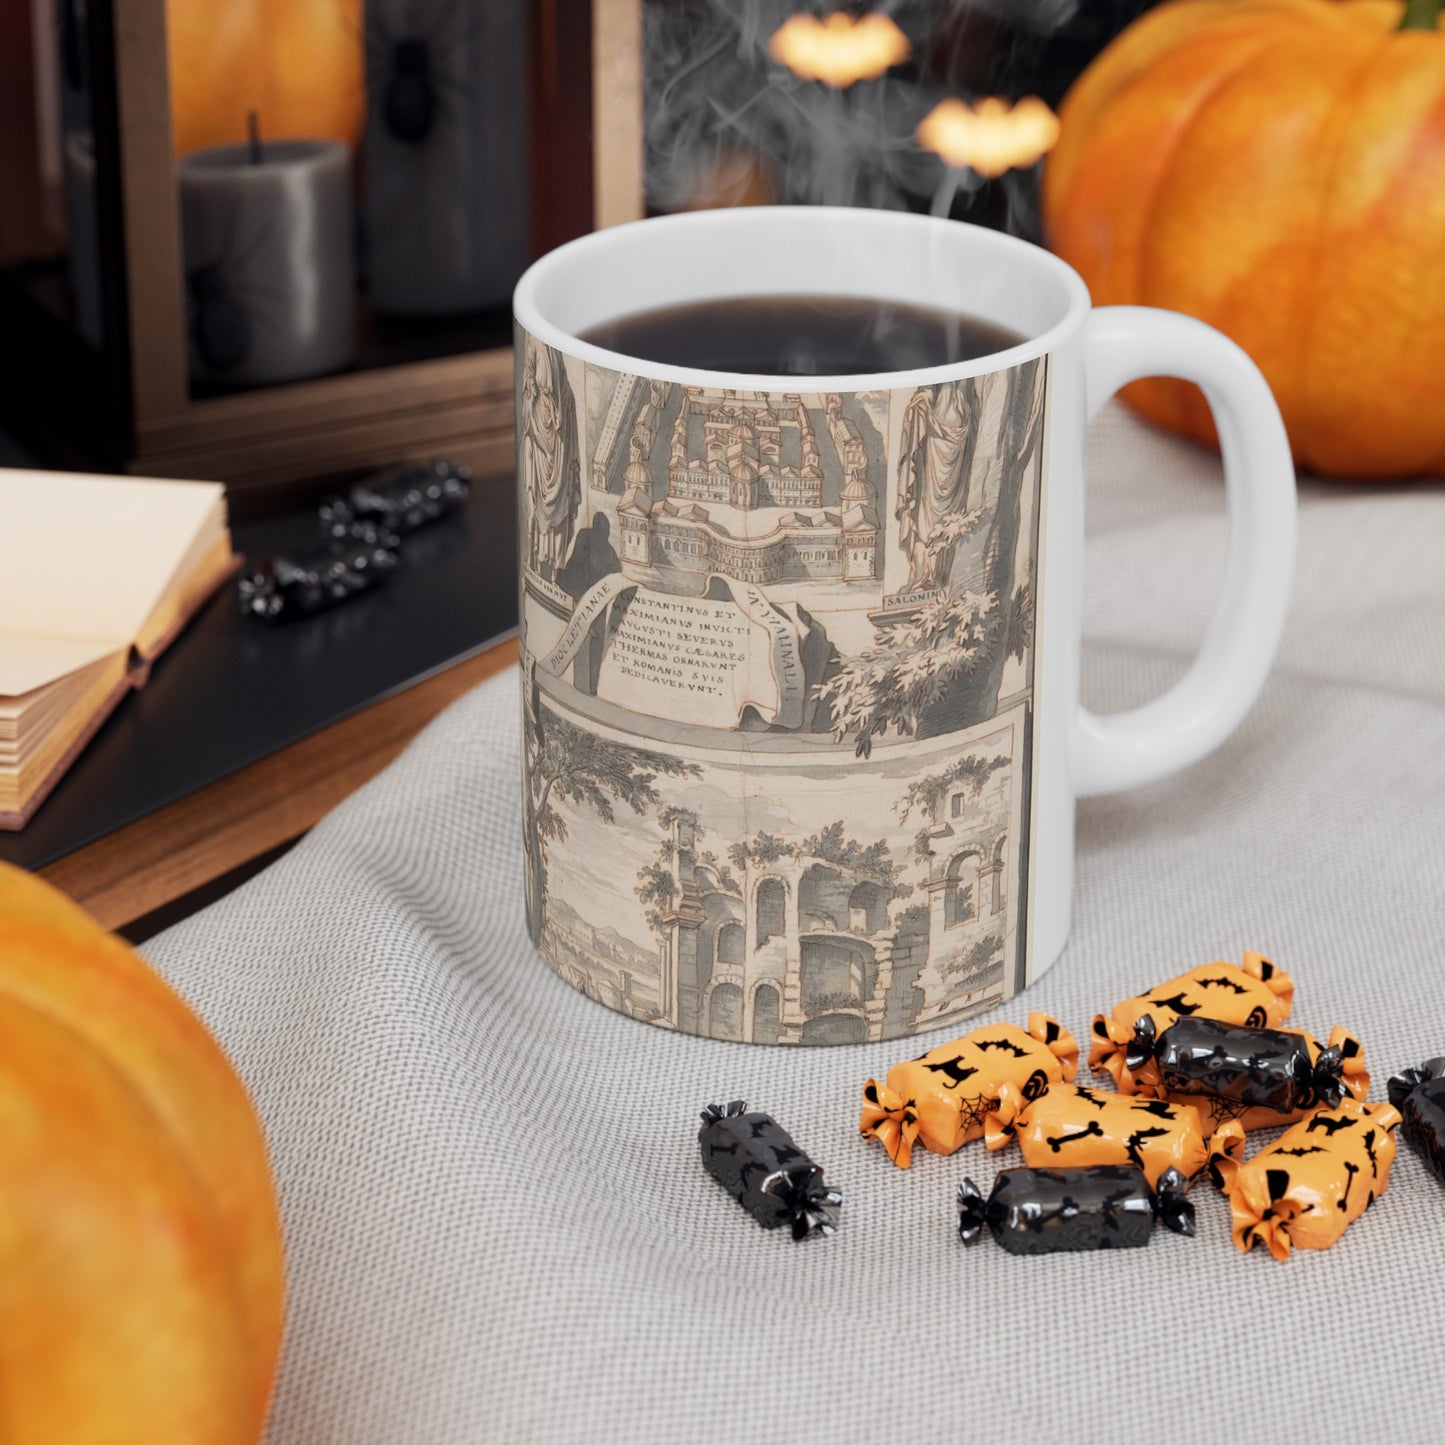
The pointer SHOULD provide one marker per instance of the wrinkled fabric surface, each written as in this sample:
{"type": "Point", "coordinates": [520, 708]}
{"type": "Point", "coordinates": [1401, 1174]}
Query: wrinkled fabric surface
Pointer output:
{"type": "Point", "coordinates": [498, 1226]}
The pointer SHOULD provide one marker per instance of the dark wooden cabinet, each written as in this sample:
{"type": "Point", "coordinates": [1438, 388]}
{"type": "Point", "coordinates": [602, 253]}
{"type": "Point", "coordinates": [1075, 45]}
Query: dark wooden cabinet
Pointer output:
{"type": "Point", "coordinates": [415, 390]}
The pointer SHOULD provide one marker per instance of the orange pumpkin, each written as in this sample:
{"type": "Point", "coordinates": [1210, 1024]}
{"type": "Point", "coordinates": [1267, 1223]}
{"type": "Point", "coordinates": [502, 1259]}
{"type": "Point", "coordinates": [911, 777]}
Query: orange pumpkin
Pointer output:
{"type": "Point", "coordinates": [299, 64]}
{"type": "Point", "coordinates": [1277, 169]}
{"type": "Point", "coordinates": [140, 1253]}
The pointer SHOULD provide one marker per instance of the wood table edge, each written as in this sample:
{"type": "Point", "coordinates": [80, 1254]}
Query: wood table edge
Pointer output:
{"type": "Point", "coordinates": [192, 842]}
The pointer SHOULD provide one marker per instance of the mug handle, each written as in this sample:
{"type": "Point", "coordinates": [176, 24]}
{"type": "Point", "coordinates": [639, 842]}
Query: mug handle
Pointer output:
{"type": "Point", "coordinates": [1123, 750]}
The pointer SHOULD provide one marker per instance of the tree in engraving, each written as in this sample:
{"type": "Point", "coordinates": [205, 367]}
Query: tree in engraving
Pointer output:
{"type": "Point", "coordinates": [979, 966]}
{"type": "Point", "coordinates": [925, 796]}
{"type": "Point", "coordinates": [564, 764]}
{"type": "Point", "coordinates": [941, 668]}
{"type": "Point", "coordinates": [657, 882]}
{"type": "Point", "coordinates": [902, 682]}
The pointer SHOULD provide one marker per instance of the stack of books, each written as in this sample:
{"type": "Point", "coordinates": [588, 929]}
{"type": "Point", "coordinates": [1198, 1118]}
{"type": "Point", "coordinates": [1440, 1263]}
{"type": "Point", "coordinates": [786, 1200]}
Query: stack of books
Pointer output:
{"type": "Point", "coordinates": [97, 576]}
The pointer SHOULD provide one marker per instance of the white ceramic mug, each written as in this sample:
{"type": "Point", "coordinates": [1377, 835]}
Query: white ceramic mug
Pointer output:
{"type": "Point", "coordinates": [801, 654]}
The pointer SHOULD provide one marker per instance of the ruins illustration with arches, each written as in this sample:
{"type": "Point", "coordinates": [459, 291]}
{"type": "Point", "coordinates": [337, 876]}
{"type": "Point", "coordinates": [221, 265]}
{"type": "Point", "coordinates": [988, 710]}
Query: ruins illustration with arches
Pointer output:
{"type": "Point", "coordinates": [777, 935]}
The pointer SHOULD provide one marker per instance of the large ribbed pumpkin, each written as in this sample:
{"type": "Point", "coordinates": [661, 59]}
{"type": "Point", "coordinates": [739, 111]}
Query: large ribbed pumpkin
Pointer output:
{"type": "Point", "coordinates": [140, 1254]}
{"type": "Point", "coordinates": [1277, 169]}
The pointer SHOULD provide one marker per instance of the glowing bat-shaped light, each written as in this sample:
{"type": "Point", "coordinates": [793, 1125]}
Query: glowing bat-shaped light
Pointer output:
{"type": "Point", "coordinates": [839, 49]}
{"type": "Point", "coordinates": [990, 137]}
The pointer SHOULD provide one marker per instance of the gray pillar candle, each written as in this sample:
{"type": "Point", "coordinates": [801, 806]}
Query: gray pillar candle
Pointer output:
{"type": "Point", "coordinates": [270, 272]}
{"type": "Point", "coordinates": [446, 154]}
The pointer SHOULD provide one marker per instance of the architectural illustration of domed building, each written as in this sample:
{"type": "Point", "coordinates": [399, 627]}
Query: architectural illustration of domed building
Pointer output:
{"type": "Point", "coordinates": [736, 460]}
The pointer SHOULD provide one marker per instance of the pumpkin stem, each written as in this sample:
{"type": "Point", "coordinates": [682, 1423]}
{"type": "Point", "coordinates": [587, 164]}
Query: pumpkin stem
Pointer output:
{"type": "Point", "coordinates": [1420, 14]}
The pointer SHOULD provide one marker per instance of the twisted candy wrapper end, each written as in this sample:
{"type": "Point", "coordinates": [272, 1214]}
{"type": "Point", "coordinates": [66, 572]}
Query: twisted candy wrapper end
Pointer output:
{"type": "Point", "coordinates": [1106, 1052]}
{"type": "Point", "coordinates": [1001, 1122]}
{"type": "Point", "coordinates": [1353, 1073]}
{"type": "Point", "coordinates": [808, 1203]}
{"type": "Point", "coordinates": [1324, 1080]}
{"type": "Point", "coordinates": [1276, 980]}
{"type": "Point", "coordinates": [1061, 1043]}
{"type": "Point", "coordinates": [1402, 1085]}
{"type": "Point", "coordinates": [972, 1210]}
{"type": "Point", "coordinates": [1226, 1153]}
{"type": "Point", "coordinates": [714, 1112]}
{"type": "Point", "coordinates": [1172, 1207]}
{"type": "Point", "coordinates": [890, 1119]}
{"type": "Point", "coordinates": [1265, 1221]}
{"type": "Point", "coordinates": [1139, 1051]}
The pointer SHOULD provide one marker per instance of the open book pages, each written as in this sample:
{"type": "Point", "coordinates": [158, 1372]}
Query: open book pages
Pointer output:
{"type": "Point", "coordinates": [97, 575]}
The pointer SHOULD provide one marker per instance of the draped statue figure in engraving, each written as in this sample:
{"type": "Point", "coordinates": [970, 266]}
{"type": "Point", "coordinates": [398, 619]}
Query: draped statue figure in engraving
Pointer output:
{"type": "Point", "coordinates": [940, 435]}
{"type": "Point", "coordinates": [550, 458]}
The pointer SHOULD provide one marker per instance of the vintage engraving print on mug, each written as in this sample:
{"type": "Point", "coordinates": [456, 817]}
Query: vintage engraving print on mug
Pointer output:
{"type": "Point", "coordinates": [778, 664]}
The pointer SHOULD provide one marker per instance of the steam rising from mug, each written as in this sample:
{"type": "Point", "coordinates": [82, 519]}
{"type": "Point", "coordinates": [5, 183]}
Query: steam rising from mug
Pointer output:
{"type": "Point", "coordinates": [727, 124]}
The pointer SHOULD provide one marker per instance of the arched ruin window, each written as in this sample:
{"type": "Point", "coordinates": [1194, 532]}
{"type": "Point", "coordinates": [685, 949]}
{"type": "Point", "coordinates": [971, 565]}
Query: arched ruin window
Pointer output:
{"type": "Point", "coordinates": [960, 896]}
{"type": "Point", "coordinates": [772, 905]}
{"type": "Point", "coordinates": [725, 1012]}
{"type": "Point", "coordinates": [867, 909]}
{"type": "Point", "coordinates": [730, 944]}
{"type": "Point", "coordinates": [767, 1014]}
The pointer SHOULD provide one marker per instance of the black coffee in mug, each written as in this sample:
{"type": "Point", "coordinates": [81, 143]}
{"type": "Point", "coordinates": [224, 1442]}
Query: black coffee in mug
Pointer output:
{"type": "Point", "coordinates": [802, 335]}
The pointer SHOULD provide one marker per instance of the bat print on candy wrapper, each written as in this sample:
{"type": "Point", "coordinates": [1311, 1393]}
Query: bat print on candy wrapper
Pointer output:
{"type": "Point", "coordinates": [1178, 1003]}
{"type": "Point", "coordinates": [1132, 1143]}
{"type": "Point", "coordinates": [1003, 1046]}
{"type": "Point", "coordinates": [1330, 1126]}
{"type": "Point", "coordinates": [955, 1072]}
{"type": "Point", "coordinates": [1223, 982]}
{"type": "Point", "coordinates": [1369, 1145]}
{"type": "Point", "coordinates": [1157, 1107]}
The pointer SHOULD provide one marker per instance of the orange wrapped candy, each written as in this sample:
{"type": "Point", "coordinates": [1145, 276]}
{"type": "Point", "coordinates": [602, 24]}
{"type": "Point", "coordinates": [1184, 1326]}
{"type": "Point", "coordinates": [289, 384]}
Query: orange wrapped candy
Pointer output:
{"type": "Point", "coordinates": [1256, 993]}
{"type": "Point", "coordinates": [942, 1098]}
{"type": "Point", "coordinates": [1352, 1079]}
{"type": "Point", "coordinates": [1071, 1125]}
{"type": "Point", "coordinates": [1305, 1190]}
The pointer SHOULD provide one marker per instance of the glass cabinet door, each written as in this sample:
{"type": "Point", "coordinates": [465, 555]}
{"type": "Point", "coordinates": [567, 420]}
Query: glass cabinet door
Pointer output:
{"type": "Point", "coordinates": [354, 180]}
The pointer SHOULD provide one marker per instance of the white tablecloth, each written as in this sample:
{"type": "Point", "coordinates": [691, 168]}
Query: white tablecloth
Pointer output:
{"type": "Point", "coordinates": [498, 1227]}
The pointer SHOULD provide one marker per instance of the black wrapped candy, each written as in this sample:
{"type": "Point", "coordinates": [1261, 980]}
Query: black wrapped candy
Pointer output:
{"type": "Point", "coordinates": [1419, 1095]}
{"type": "Point", "coordinates": [400, 499]}
{"type": "Point", "coordinates": [1094, 1206]}
{"type": "Point", "coordinates": [754, 1158]}
{"type": "Point", "coordinates": [300, 583]}
{"type": "Point", "coordinates": [1251, 1068]}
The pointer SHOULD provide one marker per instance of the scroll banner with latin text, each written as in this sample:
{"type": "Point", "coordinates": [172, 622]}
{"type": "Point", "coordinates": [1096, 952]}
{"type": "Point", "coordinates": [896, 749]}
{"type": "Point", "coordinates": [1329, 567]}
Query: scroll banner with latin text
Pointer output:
{"type": "Point", "coordinates": [692, 659]}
